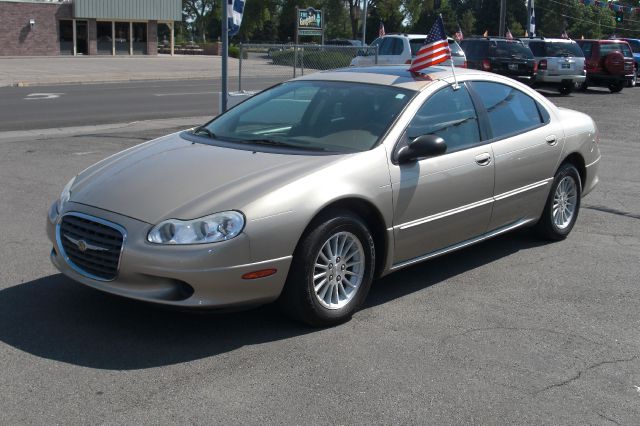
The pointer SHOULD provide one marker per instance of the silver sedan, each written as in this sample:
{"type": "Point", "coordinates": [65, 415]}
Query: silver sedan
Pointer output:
{"type": "Point", "coordinates": [309, 190]}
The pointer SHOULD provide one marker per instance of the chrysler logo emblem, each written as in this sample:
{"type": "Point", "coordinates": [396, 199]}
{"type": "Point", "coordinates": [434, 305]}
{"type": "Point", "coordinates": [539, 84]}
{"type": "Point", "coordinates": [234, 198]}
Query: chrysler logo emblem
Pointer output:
{"type": "Point", "coordinates": [84, 246]}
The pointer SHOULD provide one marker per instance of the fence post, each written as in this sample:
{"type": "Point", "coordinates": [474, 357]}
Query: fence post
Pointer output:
{"type": "Point", "coordinates": [240, 68]}
{"type": "Point", "coordinates": [302, 60]}
{"type": "Point", "coordinates": [295, 59]}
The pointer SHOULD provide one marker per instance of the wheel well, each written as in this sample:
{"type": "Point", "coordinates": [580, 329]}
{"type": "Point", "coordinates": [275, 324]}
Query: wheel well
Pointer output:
{"type": "Point", "coordinates": [577, 160]}
{"type": "Point", "coordinates": [371, 217]}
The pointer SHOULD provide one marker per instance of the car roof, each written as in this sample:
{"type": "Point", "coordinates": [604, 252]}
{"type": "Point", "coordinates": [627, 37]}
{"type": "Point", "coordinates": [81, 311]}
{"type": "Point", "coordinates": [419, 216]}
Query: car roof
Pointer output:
{"type": "Point", "coordinates": [554, 40]}
{"type": "Point", "coordinates": [388, 75]}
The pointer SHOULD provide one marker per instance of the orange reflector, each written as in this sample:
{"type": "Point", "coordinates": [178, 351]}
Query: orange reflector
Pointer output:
{"type": "Point", "coordinates": [259, 274]}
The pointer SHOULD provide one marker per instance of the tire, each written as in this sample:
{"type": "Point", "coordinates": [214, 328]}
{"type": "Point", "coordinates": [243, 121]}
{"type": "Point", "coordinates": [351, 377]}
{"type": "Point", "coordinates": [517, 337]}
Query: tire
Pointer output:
{"type": "Point", "coordinates": [583, 87]}
{"type": "Point", "coordinates": [564, 199]}
{"type": "Point", "coordinates": [614, 63]}
{"type": "Point", "coordinates": [566, 89]}
{"type": "Point", "coordinates": [616, 87]}
{"type": "Point", "coordinates": [634, 80]}
{"type": "Point", "coordinates": [328, 254]}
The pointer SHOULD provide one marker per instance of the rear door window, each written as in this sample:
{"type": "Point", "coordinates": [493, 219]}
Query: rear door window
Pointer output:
{"type": "Point", "coordinates": [587, 48]}
{"type": "Point", "coordinates": [537, 47]}
{"type": "Point", "coordinates": [510, 111]}
{"type": "Point", "coordinates": [416, 44]}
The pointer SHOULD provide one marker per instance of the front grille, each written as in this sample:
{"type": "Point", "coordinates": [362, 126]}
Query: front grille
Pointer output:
{"type": "Point", "coordinates": [91, 247]}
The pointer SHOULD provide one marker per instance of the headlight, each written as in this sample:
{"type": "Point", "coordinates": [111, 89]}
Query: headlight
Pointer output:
{"type": "Point", "coordinates": [65, 195]}
{"type": "Point", "coordinates": [209, 229]}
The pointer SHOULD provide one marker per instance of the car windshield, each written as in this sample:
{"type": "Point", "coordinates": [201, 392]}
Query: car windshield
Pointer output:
{"type": "Point", "coordinates": [606, 48]}
{"type": "Point", "coordinates": [510, 49]}
{"type": "Point", "coordinates": [325, 116]}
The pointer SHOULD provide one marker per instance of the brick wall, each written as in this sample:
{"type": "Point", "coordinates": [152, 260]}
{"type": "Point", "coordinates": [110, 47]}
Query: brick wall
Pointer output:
{"type": "Point", "coordinates": [152, 38]}
{"type": "Point", "coordinates": [18, 38]}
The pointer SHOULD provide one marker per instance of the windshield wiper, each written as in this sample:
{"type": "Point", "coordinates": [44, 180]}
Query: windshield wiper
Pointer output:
{"type": "Point", "coordinates": [273, 142]}
{"type": "Point", "coordinates": [202, 130]}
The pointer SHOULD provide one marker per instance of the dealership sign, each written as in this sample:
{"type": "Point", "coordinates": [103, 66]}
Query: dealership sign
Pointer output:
{"type": "Point", "coordinates": [310, 22]}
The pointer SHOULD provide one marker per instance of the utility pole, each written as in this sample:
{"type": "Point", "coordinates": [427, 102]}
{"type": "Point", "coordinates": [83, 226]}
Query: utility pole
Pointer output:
{"type": "Point", "coordinates": [503, 17]}
{"type": "Point", "coordinates": [364, 23]}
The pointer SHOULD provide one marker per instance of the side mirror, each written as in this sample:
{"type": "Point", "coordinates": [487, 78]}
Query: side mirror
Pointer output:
{"type": "Point", "coordinates": [422, 147]}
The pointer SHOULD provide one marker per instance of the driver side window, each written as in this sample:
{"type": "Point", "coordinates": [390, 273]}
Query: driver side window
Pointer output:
{"type": "Point", "coordinates": [449, 114]}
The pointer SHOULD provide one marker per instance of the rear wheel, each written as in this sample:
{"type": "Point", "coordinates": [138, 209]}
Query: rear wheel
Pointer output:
{"type": "Point", "coordinates": [583, 86]}
{"type": "Point", "coordinates": [565, 89]}
{"type": "Point", "coordinates": [331, 272]}
{"type": "Point", "coordinates": [616, 87]}
{"type": "Point", "coordinates": [563, 204]}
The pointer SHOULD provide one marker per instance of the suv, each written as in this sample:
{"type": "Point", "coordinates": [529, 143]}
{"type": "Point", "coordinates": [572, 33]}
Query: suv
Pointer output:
{"type": "Point", "coordinates": [609, 63]}
{"type": "Point", "coordinates": [394, 49]}
{"type": "Point", "coordinates": [560, 63]}
{"type": "Point", "coordinates": [509, 57]}
{"type": "Point", "coordinates": [635, 48]}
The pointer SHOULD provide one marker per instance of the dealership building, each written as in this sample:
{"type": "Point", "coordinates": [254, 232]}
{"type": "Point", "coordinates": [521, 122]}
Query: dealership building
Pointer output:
{"type": "Point", "coordinates": [85, 27]}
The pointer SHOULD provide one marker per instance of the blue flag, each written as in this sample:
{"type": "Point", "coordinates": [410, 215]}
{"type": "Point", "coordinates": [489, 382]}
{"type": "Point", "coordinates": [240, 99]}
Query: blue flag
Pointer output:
{"type": "Point", "coordinates": [235, 9]}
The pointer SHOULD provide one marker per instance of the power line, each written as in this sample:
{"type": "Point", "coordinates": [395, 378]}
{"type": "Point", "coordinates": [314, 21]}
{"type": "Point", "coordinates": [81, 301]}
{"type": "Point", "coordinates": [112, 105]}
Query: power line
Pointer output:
{"type": "Point", "coordinates": [569, 5]}
{"type": "Point", "coordinates": [587, 21]}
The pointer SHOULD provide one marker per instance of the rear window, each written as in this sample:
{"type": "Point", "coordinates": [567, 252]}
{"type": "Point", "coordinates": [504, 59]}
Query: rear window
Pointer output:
{"type": "Point", "coordinates": [474, 49]}
{"type": "Point", "coordinates": [563, 49]}
{"type": "Point", "coordinates": [510, 49]}
{"type": "Point", "coordinates": [606, 48]}
{"type": "Point", "coordinates": [455, 48]}
{"type": "Point", "coordinates": [416, 44]}
{"type": "Point", "coordinates": [635, 45]}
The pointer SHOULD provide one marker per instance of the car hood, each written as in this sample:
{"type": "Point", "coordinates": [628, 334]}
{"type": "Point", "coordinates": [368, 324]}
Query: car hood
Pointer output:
{"type": "Point", "coordinates": [174, 178]}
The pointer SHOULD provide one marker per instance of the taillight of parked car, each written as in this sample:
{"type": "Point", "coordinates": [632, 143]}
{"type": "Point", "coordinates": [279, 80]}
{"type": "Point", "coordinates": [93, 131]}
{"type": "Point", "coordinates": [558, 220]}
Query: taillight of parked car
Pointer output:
{"type": "Point", "coordinates": [535, 67]}
{"type": "Point", "coordinates": [542, 65]}
{"type": "Point", "coordinates": [486, 65]}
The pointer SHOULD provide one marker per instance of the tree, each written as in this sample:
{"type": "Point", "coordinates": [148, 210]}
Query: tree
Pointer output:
{"type": "Point", "coordinates": [196, 11]}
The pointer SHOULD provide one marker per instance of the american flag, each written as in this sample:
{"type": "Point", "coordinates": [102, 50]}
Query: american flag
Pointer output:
{"type": "Point", "coordinates": [381, 32]}
{"type": "Point", "coordinates": [509, 35]}
{"type": "Point", "coordinates": [435, 49]}
{"type": "Point", "coordinates": [459, 36]}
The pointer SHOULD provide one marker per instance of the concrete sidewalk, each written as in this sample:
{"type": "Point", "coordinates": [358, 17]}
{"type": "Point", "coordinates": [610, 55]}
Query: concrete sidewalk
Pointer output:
{"type": "Point", "coordinates": [34, 71]}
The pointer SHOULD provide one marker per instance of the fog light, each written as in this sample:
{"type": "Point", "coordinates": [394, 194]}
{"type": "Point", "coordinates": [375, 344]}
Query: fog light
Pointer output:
{"type": "Point", "coordinates": [259, 274]}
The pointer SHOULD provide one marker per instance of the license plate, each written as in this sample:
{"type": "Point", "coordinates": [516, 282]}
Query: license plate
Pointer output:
{"type": "Point", "coordinates": [565, 66]}
{"type": "Point", "coordinates": [513, 67]}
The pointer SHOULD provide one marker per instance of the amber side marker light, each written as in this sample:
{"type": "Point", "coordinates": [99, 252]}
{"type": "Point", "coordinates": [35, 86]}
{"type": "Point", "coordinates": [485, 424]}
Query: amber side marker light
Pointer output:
{"type": "Point", "coordinates": [259, 274]}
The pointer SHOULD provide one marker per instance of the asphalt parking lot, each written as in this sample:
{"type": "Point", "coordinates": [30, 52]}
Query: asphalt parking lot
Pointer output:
{"type": "Point", "coordinates": [511, 331]}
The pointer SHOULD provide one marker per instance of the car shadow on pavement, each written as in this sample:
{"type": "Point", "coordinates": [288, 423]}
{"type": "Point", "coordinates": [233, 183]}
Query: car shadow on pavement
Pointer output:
{"type": "Point", "coordinates": [56, 318]}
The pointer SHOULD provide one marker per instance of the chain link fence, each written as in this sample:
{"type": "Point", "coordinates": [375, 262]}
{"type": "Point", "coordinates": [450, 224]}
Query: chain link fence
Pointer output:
{"type": "Point", "coordinates": [268, 64]}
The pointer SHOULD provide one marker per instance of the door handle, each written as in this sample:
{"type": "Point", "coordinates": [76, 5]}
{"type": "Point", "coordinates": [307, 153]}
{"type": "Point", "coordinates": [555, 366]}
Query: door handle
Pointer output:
{"type": "Point", "coordinates": [483, 159]}
{"type": "Point", "coordinates": [551, 140]}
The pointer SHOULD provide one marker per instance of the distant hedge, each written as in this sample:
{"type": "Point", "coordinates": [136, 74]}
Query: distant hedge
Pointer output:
{"type": "Point", "coordinates": [317, 59]}
{"type": "Point", "coordinates": [234, 52]}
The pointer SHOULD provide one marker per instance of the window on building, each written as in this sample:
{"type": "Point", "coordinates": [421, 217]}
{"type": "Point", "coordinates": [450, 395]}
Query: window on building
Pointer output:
{"type": "Point", "coordinates": [122, 38]}
{"type": "Point", "coordinates": [105, 37]}
{"type": "Point", "coordinates": [66, 37]}
{"type": "Point", "coordinates": [139, 37]}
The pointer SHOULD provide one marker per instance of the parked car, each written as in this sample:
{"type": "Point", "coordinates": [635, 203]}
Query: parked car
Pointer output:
{"type": "Point", "coordinates": [308, 190]}
{"type": "Point", "coordinates": [509, 57]}
{"type": "Point", "coordinates": [560, 63]}
{"type": "Point", "coordinates": [609, 63]}
{"type": "Point", "coordinates": [634, 43]}
{"type": "Point", "coordinates": [343, 42]}
{"type": "Point", "coordinates": [395, 49]}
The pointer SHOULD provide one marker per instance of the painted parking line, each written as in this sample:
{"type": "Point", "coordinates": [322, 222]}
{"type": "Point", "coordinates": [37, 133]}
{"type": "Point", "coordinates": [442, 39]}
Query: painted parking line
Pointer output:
{"type": "Point", "coordinates": [42, 96]}
{"type": "Point", "coordinates": [187, 94]}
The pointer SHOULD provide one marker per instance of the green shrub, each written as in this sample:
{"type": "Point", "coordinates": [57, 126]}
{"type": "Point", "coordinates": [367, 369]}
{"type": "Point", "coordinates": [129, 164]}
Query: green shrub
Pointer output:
{"type": "Point", "coordinates": [234, 52]}
{"type": "Point", "coordinates": [316, 59]}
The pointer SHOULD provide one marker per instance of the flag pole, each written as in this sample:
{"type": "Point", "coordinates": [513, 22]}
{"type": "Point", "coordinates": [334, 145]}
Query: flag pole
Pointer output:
{"type": "Point", "coordinates": [456, 86]}
{"type": "Point", "coordinates": [225, 57]}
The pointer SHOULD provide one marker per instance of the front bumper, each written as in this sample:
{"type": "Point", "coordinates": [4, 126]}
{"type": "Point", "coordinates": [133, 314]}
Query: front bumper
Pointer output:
{"type": "Point", "coordinates": [195, 276]}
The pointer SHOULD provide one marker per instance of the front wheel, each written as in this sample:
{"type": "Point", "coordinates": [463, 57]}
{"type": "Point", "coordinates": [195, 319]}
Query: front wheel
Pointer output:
{"type": "Point", "coordinates": [566, 89]}
{"type": "Point", "coordinates": [563, 204]}
{"type": "Point", "coordinates": [634, 81]}
{"type": "Point", "coordinates": [331, 272]}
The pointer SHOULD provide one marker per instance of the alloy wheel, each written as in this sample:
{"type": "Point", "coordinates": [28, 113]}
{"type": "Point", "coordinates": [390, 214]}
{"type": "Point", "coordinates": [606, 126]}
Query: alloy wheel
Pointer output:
{"type": "Point", "coordinates": [565, 201]}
